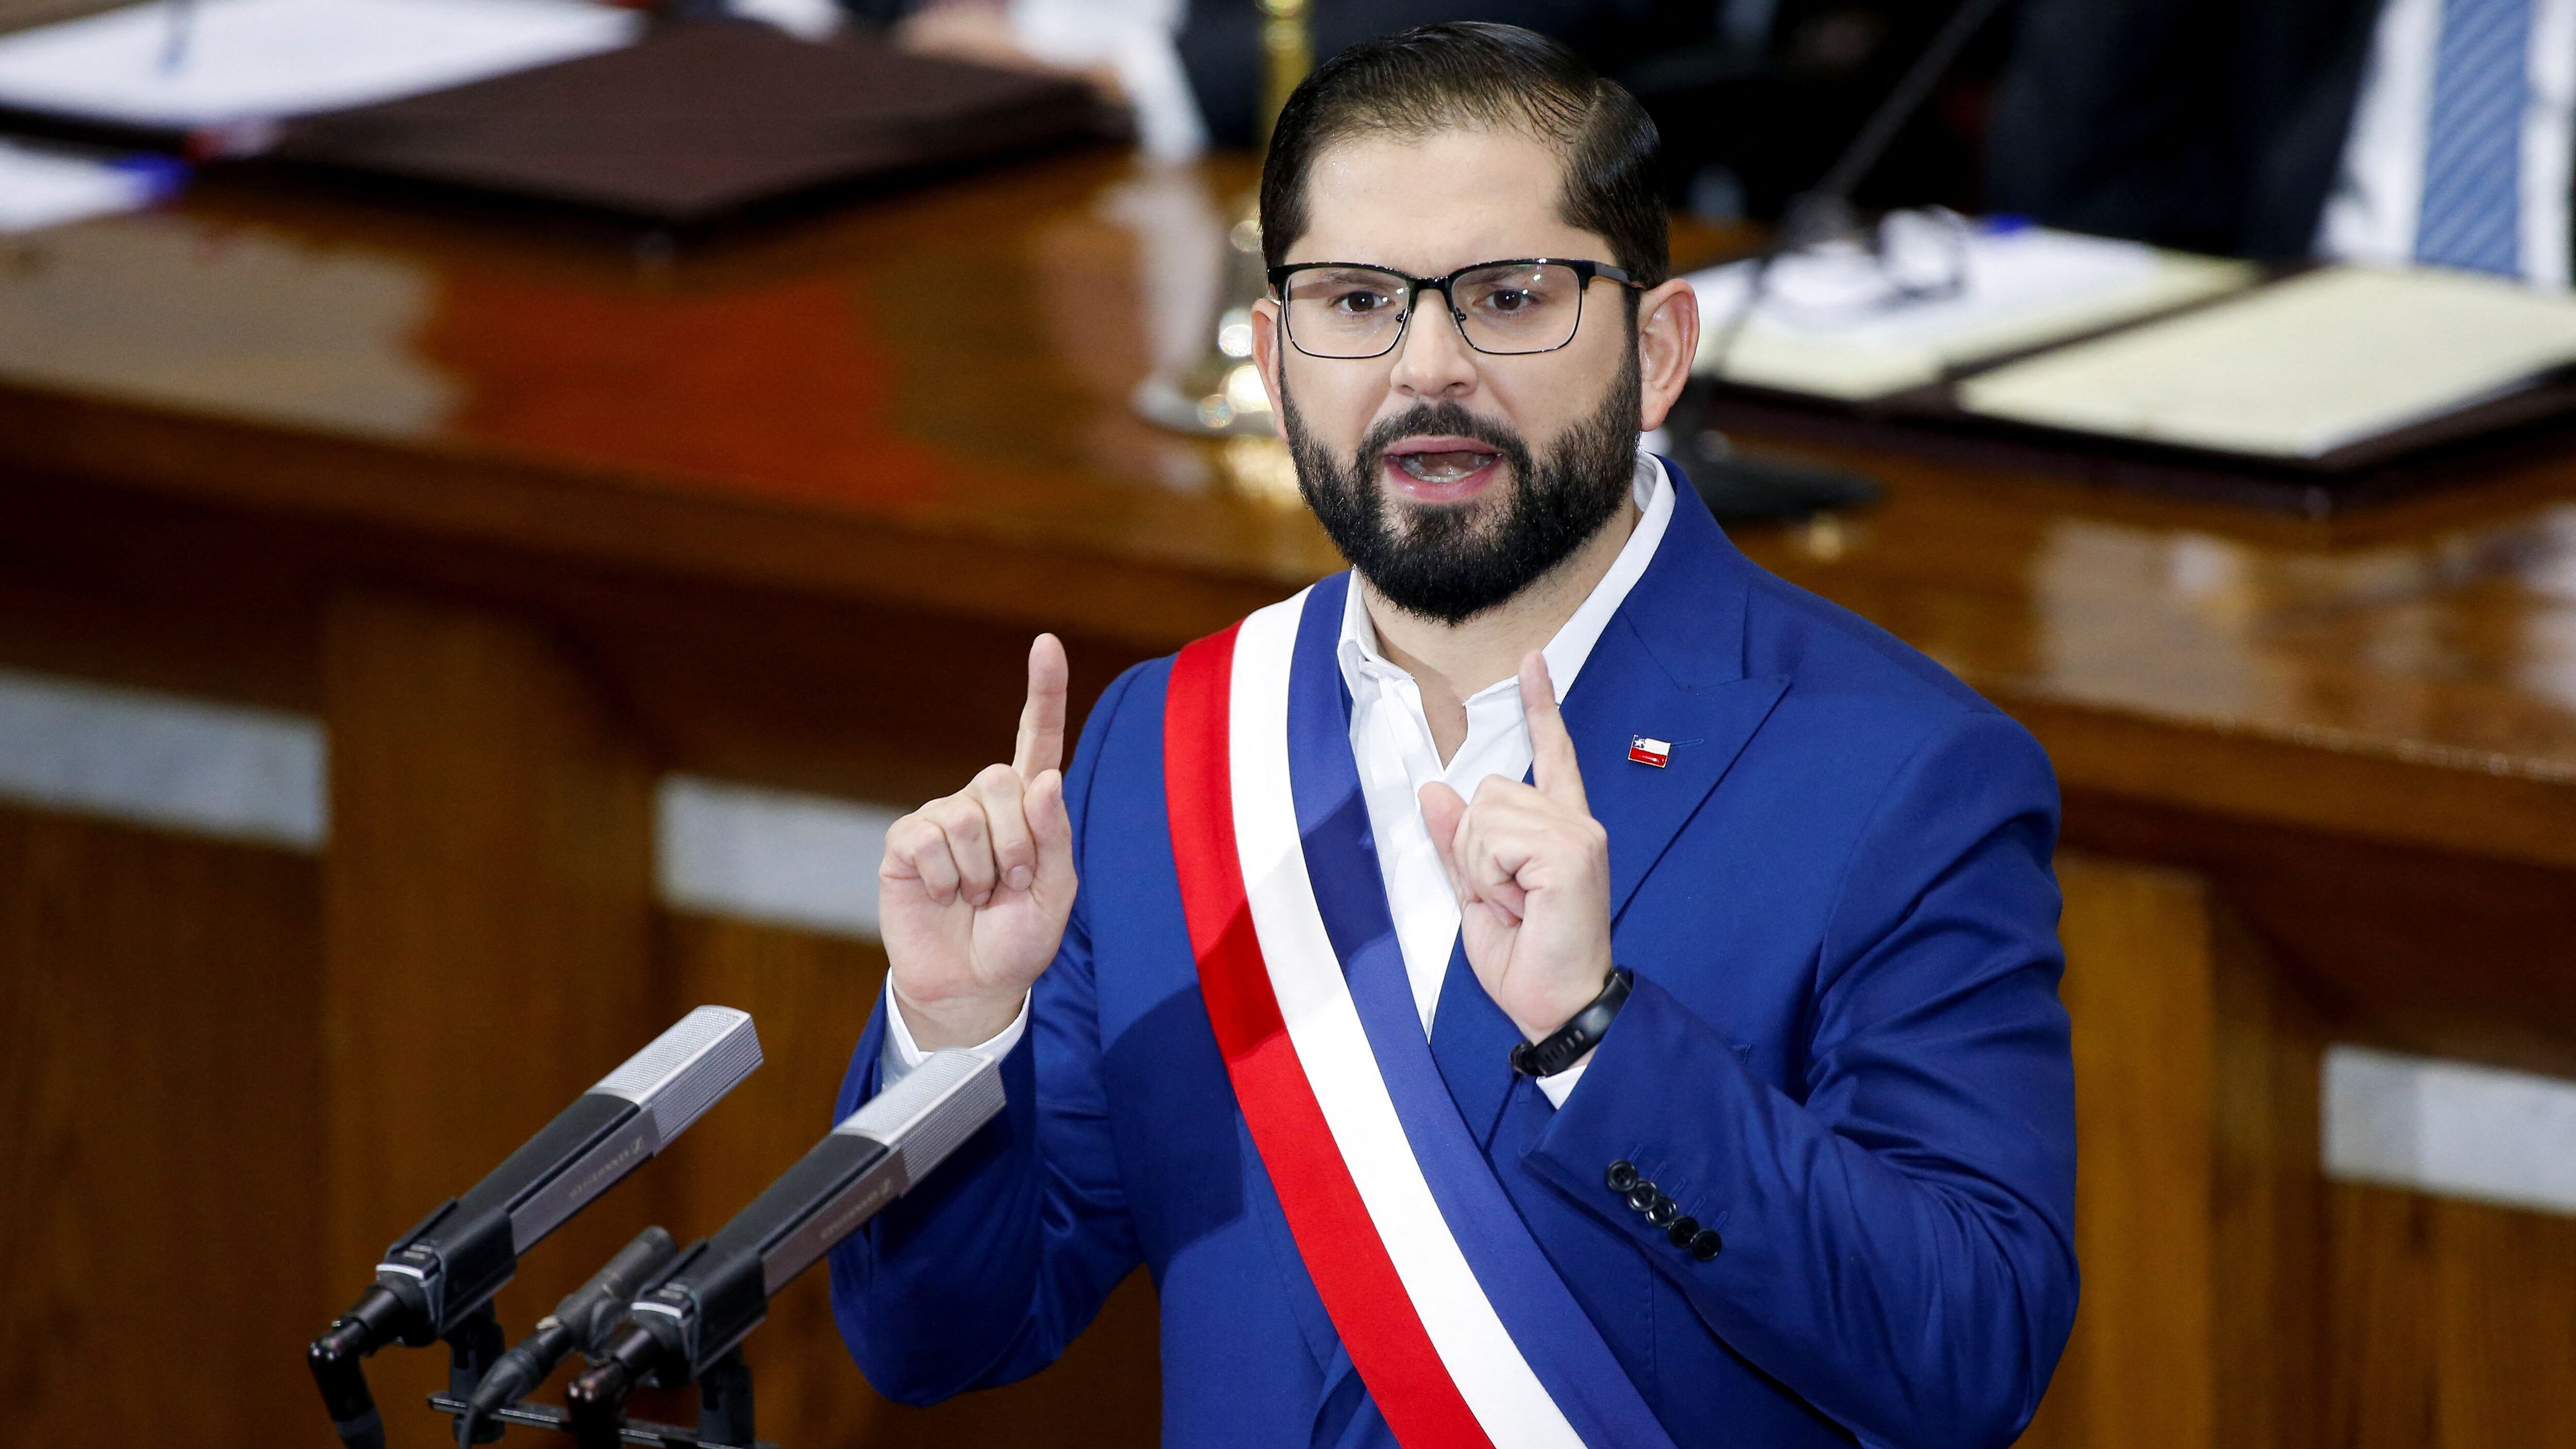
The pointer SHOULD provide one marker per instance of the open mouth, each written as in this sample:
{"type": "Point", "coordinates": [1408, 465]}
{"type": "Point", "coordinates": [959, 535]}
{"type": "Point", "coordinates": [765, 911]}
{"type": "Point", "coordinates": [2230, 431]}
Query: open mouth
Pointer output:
{"type": "Point", "coordinates": [1442, 469]}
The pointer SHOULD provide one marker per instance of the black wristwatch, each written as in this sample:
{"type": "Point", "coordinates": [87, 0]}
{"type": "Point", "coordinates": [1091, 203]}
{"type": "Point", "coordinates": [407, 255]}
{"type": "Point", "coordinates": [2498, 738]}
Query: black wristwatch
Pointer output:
{"type": "Point", "coordinates": [1566, 1045]}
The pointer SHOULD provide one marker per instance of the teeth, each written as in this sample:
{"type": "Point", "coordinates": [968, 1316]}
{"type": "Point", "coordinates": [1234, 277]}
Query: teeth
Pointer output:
{"type": "Point", "coordinates": [1441, 467]}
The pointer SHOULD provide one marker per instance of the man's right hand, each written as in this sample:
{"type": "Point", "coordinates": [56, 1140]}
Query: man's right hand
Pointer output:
{"type": "Point", "coordinates": [975, 887]}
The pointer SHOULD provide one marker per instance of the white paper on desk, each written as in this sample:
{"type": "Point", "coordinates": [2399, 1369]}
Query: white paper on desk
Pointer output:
{"type": "Point", "coordinates": [44, 188]}
{"type": "Point", "coordinates": [260, 60]}
{"type": "Point", "coordinates": [2299, 368]}
{"type": "Point", "coordinates": [1820, 331]}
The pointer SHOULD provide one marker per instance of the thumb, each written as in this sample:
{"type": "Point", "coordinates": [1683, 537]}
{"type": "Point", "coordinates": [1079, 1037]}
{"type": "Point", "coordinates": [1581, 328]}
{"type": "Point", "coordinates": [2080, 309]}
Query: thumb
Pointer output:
{"type": "Point", "coordinates": [1442, 809]}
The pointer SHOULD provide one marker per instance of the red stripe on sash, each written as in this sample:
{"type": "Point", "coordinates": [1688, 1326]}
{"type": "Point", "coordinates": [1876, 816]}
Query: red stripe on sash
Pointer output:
{"type": "Point", "coordinates": [1334, 1232]}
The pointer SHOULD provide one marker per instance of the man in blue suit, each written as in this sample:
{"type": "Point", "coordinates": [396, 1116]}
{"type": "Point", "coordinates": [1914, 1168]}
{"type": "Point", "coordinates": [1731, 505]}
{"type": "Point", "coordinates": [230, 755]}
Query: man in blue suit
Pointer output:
{"type": "Point", "coordinates": [1556, 983]}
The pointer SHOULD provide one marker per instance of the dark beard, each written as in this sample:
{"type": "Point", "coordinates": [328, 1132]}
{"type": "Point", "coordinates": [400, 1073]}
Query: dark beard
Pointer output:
{"type": "Point", "coordinates": [1452, 562]}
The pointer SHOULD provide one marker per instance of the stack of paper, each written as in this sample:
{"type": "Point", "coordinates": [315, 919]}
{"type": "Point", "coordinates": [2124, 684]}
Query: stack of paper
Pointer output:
{"type": "Point", "coordinates": [45, 188]}
{"type": "Point", "coordinates": [2296, 369]}
{"type": "Point", "coordinates": [1842, 323]}
{"type": "Point", "coordinates": [196, 64]}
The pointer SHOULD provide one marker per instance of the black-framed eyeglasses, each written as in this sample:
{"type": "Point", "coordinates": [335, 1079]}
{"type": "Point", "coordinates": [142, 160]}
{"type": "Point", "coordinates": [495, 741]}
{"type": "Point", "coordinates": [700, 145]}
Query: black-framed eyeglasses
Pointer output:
{"type": "Point", "coordinates": [1351, 310]}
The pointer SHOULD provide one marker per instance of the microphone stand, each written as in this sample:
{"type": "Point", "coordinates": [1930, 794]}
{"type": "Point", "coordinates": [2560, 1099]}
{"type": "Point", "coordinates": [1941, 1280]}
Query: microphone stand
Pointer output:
{"type": "Point", "coordinates": [725, 1417]}
{"type": "Point", "coordinates": [473, 1346]}
{"type": "Point", "coordinates": [690, 1325]}
{"type": "Point", "coordinates": [438, 1280]}
{"type": "Point", "coordinates": [1749, 489]}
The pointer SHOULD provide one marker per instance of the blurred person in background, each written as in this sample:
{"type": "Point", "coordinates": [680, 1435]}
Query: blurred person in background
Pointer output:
{"type": "Point", "coordinates": [2388, 131]}
{"type": "Point", "coordinates": [1753, 97]}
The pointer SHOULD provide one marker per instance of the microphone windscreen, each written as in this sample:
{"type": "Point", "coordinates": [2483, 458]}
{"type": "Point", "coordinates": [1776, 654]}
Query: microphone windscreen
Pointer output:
{"type": "Point", "coordinates": [686, 1069]}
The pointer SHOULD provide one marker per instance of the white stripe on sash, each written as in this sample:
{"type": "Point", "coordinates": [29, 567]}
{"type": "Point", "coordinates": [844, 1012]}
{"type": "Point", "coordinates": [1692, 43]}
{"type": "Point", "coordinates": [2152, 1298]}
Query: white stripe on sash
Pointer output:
{"type": "Point", "coordinates": [1332, 1048]}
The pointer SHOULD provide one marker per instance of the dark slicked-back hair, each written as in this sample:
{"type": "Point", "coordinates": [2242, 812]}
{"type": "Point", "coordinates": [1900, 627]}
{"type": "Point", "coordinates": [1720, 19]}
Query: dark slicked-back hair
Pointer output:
{"type": "Point", "coordinates": [1471, 75]}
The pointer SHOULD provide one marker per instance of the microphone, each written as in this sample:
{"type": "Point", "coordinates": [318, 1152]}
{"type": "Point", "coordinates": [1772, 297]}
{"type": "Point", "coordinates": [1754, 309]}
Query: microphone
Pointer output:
{"type": "Point", "coordinates": [446, 1269]}
{"type": "Point", "coordinates": [1825, 210]}
{"type": "Point", "coordinates": [1737, 488]}
{"type": "Point", "coordinates": [582, 1320]}
{"type": "Point", "coordinates": [720, 1288]}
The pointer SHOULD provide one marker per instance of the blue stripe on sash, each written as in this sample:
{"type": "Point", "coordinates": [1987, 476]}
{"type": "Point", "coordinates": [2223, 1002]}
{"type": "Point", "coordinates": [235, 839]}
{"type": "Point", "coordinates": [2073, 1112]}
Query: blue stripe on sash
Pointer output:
{"type": "Point", "coordinates": [1537, 1309]}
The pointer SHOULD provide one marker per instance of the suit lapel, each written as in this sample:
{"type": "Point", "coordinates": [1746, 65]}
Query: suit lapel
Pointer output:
{"type": "Point", "coordinates": [1472, 1040]}
{"type": "Point", "coordinates": [1671, 667]}
{"type": "Point", "coordinates": [1645, 806]}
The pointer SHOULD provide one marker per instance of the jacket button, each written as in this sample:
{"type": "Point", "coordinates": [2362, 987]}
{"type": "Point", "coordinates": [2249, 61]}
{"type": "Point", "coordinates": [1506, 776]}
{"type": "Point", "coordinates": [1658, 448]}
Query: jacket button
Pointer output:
{"type": "Point", "coordinates": [1622, 1175]}
{"type": "Point", "coordinates": [1642, 1195]}
{"type": "Point", "coordinates": [1682, 1230]}
{"type": "Point", "coordinates": [1705, 1243]}
{"type": "Point", "coordinates": [1662, 1211]}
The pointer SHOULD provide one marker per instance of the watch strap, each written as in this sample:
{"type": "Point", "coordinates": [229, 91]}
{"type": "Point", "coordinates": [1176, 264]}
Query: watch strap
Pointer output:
{"type": "Point", "coordinates": [1566, 1045]}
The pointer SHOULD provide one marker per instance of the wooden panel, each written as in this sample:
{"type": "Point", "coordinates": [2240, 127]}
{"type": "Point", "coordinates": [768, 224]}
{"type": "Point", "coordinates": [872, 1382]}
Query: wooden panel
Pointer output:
{"type": "Point", "coordinates": [2267, 1189]}
{"type": "Point", "coordinates": [791, 409]}
{"type": "Point", "coordinates": [2426, 951]}
{"type": "Point", "coordinates": [812, 997]}
{"type": "Point", "coordinates": [2196, 1208]}
{"type": "Point", "coordinates": [487, 929]}
{"type": "Point", "coordinates": [730, 478]}
{"type": "Point", "coordinates": [194, 601]}
{"type": "Point", "coordinates": [160, 1137]}
{"type": "Point", "coordinates": [2452, 1324]}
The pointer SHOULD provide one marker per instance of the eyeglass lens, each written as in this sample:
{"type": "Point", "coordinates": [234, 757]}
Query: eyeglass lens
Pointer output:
{"type": "Point", "coordinates": [1359, 311]}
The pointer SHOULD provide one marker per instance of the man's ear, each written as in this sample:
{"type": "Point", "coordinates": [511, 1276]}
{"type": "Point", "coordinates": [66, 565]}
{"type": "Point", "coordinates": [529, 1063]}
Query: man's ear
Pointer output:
{"type": "Point", "coordinates": [1265, 353]}
{"type": "Point", "coordinates": [1667, 342]}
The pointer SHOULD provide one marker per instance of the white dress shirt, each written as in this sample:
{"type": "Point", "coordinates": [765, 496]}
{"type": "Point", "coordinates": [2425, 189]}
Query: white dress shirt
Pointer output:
{"type": "Point", "coordinates": [1391, 743]}
{"type": "Point", "coordinates": [2371, 215]}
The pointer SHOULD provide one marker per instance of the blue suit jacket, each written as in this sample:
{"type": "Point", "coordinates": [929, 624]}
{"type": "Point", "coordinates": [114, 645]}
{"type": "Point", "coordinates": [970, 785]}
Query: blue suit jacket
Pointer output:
{"type": "Point", "coordinates": [1844, 1051]}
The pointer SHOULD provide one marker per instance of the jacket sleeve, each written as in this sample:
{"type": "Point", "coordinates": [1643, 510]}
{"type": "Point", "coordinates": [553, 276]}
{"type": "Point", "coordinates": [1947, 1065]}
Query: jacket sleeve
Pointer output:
{"type": "Point", "coordinates": [1897, 1235]}
{"type": "Point", "coordinates": [983, 1273]}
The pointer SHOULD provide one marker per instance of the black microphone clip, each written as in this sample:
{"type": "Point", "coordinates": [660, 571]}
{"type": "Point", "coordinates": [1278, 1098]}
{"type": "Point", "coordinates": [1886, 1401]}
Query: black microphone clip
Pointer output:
{"type": "Point", "coordinates": [437, 1281]}
{"type": "Point", "coordinates": [689, 1326]}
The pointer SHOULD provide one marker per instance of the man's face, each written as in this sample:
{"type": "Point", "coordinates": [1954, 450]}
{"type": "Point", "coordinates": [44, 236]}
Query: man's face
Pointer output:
{"type": "Point", "coordinates": [1453, 478]}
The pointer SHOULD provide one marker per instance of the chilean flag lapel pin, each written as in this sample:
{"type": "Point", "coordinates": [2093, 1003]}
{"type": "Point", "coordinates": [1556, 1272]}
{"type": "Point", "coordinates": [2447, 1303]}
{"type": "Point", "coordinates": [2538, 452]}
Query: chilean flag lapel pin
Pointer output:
{"type": "Point", "coordinates": [1646, 751]}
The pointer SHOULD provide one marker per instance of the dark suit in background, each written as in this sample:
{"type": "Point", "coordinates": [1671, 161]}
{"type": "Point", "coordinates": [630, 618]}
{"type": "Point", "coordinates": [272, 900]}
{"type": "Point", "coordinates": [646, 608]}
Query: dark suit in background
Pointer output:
{"type": "Point", "coordinates": [2210, 125]}
{"type": "Point", "coordinates": [1759, 109]}
{"type": "Point", "coordinates": [1220, 42]}
{"type": "Point", "coordinates": [1754, 97]}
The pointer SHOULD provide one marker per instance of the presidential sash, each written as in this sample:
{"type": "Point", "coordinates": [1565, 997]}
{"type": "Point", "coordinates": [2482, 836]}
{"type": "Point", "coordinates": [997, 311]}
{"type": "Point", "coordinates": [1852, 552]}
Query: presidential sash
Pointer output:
{"type": "Point", "coordinates": [1458, 1324]}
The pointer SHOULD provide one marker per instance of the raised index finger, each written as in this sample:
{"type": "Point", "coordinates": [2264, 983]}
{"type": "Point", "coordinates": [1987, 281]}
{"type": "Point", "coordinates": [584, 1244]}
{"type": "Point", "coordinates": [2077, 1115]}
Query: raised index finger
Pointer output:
{"type": "Point", "coordinates": [1552, 765]}
{"type": "Point", "coordinates": [1041, 746]}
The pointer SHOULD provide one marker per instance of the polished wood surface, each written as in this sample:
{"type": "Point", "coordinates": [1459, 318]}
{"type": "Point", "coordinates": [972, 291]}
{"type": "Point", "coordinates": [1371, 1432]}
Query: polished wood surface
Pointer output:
{"type": "Point", "coordinates": [2199, 1217]}
{"type": "Point", "coordinates": [162, 1146]}
{"type": "Point", "coordinates": [527, 512]}
{"type": "Point", "coordinates": [2452, 1324]}
{"type": "Point", "coordinates": [924, 401]}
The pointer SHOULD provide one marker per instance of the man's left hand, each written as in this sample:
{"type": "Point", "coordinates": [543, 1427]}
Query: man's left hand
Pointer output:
{"type": "Point", "coordinates": [1532, 871]}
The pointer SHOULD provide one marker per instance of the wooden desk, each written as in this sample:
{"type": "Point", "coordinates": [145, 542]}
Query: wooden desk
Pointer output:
{"type": "Point", "coordinates": [529, 516]}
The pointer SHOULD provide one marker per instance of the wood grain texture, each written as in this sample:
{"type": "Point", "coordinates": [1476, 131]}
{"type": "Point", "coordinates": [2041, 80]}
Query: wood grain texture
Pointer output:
{"type": "Point", "coordinates": [486, 934]}
{"type": "Point", "coordinates": [2441, 953]}
{"type": "Point", "coordinates": [812, 996]}
{"type": "Point", "coordinates": [2451, 1325]}
{"type": "Point", "coordinates": [160, 1135]}
{"type": "Point", "coordinates": [779, 510]}
{"type": "Point", "coordinates": [2196, 1210]}
{"type": "Point", "coordinates": [922, 403]}
{"type": "Point", "coordinates": [2267, 1191]}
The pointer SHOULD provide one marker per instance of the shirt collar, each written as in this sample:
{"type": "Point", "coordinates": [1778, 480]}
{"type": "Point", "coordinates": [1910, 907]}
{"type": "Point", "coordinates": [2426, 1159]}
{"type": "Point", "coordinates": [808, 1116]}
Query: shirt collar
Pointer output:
{"type": "Point", "coordinates": [1651, 486]}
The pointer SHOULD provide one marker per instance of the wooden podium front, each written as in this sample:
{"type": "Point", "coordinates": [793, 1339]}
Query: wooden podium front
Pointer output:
{"type": "Point", "coordinates": [527, 519]}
